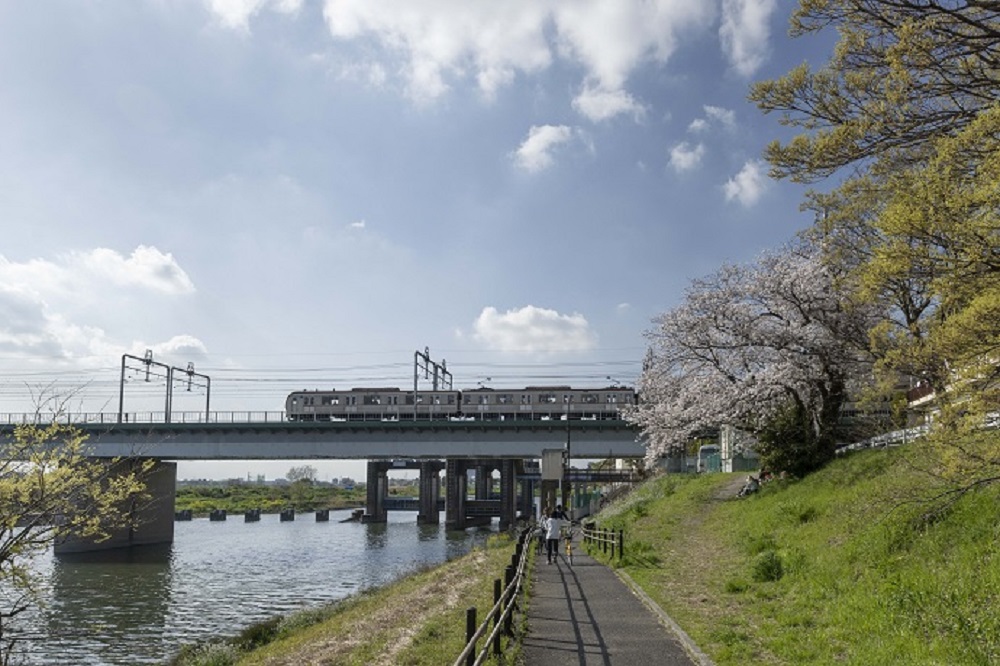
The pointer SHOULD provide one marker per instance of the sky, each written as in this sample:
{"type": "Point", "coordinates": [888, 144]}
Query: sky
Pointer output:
{"type": "Point", "coordinates": [294, 194]}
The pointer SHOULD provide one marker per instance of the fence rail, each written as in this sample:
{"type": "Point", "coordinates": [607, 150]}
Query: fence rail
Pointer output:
{"type": "Point", "coordinates": [83, 418]}
{"type": "Point", "coordinates": [502, 614]}
{"type": "Point", "coordinates": [605, 539]}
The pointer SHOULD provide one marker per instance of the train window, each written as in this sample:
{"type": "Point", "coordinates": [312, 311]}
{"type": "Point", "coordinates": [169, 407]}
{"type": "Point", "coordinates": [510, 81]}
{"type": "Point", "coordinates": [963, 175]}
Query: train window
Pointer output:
{"type": "Point", "coordinates": [525, 399]}
{"type": "Point", "coordinates": [451, 399]}
{"type": "Point", "coordinates": [331, 399]}
{"type": "Point", "coordinates": [437, 400]}
{"type": "Point", "coordinates": [504, 398]}
{"type": "Point", "coordinates": [466, 399]}
{"type": "Point", "coordinates": [372, 399]}
{"type": "Point", "coordinates": [547, 397]}
{"type": "Point", "coordinates": [484, 400]}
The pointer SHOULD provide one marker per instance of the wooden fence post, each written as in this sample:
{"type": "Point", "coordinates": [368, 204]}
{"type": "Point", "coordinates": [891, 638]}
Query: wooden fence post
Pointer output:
{"type": "Point", "coordinates": [496, 619]}
{"type": "Point", "coordinates": [508, 581]}
{"type": "Point", "coordinates": [470, 631]}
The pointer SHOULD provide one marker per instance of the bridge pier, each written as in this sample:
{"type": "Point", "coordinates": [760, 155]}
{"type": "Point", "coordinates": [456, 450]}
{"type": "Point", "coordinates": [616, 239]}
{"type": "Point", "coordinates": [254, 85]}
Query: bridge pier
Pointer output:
{"type": "Point", "coordinates": [484, 481]}
{"type": "Point", "coordinates": [526, 499]}
{"type": "Point", "coordinates": [430, 491]}
{"type": "Point", "coordinates": [508, 493]}
{"type": "Point", "coordinates": [152, 520]}
{"type": "Point", "coordinates": [376, 491]}
{"type": "Point", "coordinates": [456, 482]}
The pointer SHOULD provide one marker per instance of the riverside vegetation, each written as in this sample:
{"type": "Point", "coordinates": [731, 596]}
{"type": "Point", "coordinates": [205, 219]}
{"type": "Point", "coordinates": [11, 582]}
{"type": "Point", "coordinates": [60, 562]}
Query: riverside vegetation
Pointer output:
{"type": "Point", "coordinates": [419, 620]}
{"type": "Point", "coordinates": [857, 563]}
{"type": "Point", "coordinates": [234, 498]}
{"type": "Point", "coordinates": [862, 562]}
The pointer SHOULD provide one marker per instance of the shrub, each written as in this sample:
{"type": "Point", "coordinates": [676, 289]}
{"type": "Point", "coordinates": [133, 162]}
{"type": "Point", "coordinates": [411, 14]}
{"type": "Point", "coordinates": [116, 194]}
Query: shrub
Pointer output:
{"type": "Point", "coordinates": [767, 567]}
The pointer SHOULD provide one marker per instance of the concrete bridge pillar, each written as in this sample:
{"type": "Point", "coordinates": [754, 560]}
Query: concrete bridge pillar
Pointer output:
{"type": "Point", "coordinates": [526, 499]}
{"type": "Point", "coordinates": [430, 492]}
{"type": "Point", "coordinates": [152, 519]}
{"type": "Point", "coordinates": [484, 481]}
{"type": "Point", "coordinates": [549, 491]}
{"type": "Point", "coordinates": [456, 489]}
{"type": "Point", "coordinates": [377, 489]}
{"type": "Point", "coordinates": [508, 493]}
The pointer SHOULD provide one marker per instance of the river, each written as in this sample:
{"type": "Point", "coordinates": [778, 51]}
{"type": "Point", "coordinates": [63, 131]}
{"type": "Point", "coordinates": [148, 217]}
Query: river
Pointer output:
{"type": "Point", "coordinates": [138, 606]}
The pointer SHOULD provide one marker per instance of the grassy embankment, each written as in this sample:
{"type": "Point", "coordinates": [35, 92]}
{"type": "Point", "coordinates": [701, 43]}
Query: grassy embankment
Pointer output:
{"type": "Point", "coordinates": [830, 569]}
{"type": "Point", "coordinates": [418, 621]}
{"type": "Point", "coordinates": [269, 499]}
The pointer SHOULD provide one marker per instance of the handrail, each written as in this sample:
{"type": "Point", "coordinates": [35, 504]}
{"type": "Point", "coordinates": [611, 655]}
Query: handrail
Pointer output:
{"type": "Point", "coordinates": [502, 612]}
{"type": "Point", "coordinates": [605, 538]}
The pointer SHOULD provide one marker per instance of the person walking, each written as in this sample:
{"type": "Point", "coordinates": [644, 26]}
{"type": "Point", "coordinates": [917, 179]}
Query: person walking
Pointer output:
{"type": "Point", "coordinates": [553, 532]}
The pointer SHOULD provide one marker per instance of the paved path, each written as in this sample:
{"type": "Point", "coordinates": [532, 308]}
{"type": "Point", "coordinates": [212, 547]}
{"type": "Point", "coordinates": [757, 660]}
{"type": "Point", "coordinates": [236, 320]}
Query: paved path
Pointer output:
{"type": "Point", "coordinates": [584, 614]}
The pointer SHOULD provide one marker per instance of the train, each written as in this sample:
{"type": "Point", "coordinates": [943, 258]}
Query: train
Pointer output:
{"type": "Point", "coordinates": [479, 404]}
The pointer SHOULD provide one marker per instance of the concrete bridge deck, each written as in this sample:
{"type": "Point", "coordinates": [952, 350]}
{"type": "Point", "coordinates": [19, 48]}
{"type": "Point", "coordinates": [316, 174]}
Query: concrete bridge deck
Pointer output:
{"type": "Point", "coordinates": [268, 440]}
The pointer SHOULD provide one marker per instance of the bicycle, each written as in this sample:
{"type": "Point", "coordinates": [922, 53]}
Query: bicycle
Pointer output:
{"type": "Point", "coordinates": [567, 534]}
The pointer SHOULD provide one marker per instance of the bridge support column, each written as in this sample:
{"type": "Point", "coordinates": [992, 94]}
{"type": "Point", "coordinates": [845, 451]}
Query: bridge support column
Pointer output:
{"type": "Point", "coordinates": [430, 492]}
{"type": "Point", "coordinates": [508, 493]}
{"type": "Point", "coordinates": [152, 520]}
{"type": "Point", "coordinates": [526, 499]}
{"type": "Point", "coordinates": [377, 490]}
{"type": "Point", "coordinates": [484, 481]}
{"type": "Point", "coordinates": [456, 490]}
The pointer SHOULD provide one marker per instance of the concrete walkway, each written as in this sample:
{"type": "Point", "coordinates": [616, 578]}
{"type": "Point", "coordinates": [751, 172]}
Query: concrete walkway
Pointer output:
{"type": "Point", "coordinates": [584, 614]}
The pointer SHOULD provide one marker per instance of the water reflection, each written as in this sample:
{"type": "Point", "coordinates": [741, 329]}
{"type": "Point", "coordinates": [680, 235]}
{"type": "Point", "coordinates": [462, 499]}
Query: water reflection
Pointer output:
{"type": "Point", "coordinates": [138, 606]}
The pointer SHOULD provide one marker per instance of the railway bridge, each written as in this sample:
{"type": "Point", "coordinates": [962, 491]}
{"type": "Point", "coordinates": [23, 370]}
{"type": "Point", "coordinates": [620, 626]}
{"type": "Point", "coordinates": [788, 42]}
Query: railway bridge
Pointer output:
{"type": "Point", "coordinates": [456, 447]}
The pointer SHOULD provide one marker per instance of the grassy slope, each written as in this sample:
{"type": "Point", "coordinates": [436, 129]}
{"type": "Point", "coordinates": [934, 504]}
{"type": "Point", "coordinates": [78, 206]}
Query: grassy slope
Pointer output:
{"type": "Point", "coordinates": [419, 620]}
{"type": "Point", "coordinates": [864, 579]}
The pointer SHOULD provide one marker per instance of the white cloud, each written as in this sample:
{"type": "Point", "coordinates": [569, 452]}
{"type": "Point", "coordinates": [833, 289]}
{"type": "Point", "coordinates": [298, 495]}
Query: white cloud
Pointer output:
{"type": "Point", "coordinates": [745, 33]}
{"type": "Point", "coordinates": [371, 74]}
{"type": "Point", "coordinates": [236, 14]}
{"type": "Point", "coordinates": [37, 297]}
{"type": "Point", "coordinates": [748, 185]}
{"type": "Point", "coordinates": [533, 329]}
{"type": "Point", "coordinates": [698, 125]}
{"type": "Point", "coordinates": [146, 267]}
{"type": "Point", "coordinates": [713, 114]}
{"type": "Point", "coordinates": [493, 42]}
{"type": "Point", "coordinates": [726, 117]}
{"type": "Point", "coordinates": [598, 104]}
{"type": "Point", "coordinates": [360, 224]}
{"type": "Point", "coordinates": [684, 156]}
{"type": "Point", "coordinates": [535, 152]}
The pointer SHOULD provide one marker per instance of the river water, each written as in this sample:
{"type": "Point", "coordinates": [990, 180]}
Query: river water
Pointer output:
{"type": "Point", "coordinates": [139, 606]}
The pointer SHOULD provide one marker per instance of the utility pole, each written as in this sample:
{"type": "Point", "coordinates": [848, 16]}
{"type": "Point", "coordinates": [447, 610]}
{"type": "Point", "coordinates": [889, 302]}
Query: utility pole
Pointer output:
{"type": "Point", "coordinates": [191, 374]}
{"type": "Point", "coordinates": [422, 361]}
{"type": "Point", "coordinates": [148, 363]}
{"type": "Point", "coordinates": [146, 367]}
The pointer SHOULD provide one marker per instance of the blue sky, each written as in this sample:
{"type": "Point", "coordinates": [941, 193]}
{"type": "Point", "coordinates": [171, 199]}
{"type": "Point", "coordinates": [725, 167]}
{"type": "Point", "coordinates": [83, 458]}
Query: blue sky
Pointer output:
{"type": "Point", "coordinates": [295, 194]}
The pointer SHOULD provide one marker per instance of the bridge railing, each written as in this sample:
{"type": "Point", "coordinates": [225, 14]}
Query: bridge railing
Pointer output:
{"type": "Point", "coordinates": [82, 418]}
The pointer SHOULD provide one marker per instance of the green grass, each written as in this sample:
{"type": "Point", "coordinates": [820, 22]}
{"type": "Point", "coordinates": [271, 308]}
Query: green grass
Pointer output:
{"type": "Point", "coordinates": [831, 569]}
{"type": "Point", "coordinates": [419, 620]}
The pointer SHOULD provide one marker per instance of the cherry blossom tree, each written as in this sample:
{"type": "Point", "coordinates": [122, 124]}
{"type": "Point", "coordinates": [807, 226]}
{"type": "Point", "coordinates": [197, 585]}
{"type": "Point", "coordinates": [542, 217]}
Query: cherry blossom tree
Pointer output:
{"type": "Point", "coordinates": [774, 348]}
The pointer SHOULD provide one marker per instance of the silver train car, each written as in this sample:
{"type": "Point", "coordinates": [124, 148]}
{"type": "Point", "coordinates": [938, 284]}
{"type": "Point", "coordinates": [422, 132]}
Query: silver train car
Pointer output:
{"type": "Point", "coordinates": [480, 404]}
